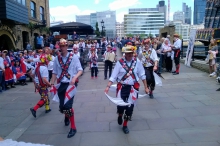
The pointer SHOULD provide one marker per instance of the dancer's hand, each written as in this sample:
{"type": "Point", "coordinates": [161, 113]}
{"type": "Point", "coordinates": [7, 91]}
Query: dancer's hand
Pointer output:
{"type": "Point", "coordinates": [147, 90]}
{"type": "Point", "coordinates": [72, 82]}
{"type": "Point", "coordinates": [106, 89]}
{"type": "Point", "coordinates": [155, 68]}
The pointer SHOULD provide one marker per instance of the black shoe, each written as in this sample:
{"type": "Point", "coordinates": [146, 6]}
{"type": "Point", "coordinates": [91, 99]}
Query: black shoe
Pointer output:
{"type": "Point", "coordinates": [151, 95]}
{"type": "Point", "coordinates": [66, 121]}
{"type": "Point", "coordinates": [13, 86]}
{"type": "Point", "coordinates": [173, 72]}
{"type": "Point", "coordinates": [33, 112]}
{"type": "Point", "coordinates": [47, 111]}
{"type": "Point", "coordinates": [71, 133]}
{"type": "Point", "coordinates": [176, 73]}
{"type": "Point", "coordinates": [120, 120]}
{"type": "Point", "coordinates": [125, 129]}
{"type": "Point", "coordinates": [218, 89]}
{"type": "Point", "coordinates": [105, 78]}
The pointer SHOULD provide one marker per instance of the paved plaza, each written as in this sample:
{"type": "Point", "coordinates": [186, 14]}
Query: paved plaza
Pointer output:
{"type": "Point", "coordinates": [184, 112]}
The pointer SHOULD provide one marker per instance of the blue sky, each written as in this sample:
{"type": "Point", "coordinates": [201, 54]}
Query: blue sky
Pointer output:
{"type": "Point", "coordinates": [66, 10]}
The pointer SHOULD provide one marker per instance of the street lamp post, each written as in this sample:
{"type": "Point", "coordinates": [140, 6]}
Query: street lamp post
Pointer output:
{"type": "Point", "coordinates": [103, 27]}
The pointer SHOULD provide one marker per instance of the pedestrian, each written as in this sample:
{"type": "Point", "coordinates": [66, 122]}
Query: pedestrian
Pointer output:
{"type": "Point", "coordinates": [149, 60]}
{"type": "Point", "coordinates": [41, 84]}
{"type": "Point", "coordinates": [67, 69]}
{"type": "Point", "coordinates": [127, 72]}
{"type": "Point", "coordinates": [94, 63]}
{"type": "Point", "coordinates": [39, 41]}
{"type": "Point", "coordinates": [166, 49]}
{"type": "Point", "coordinates": [8, 74]}
{"type": "Point", "coordinates": [50, 65]}
{"type": "Point", "coordinates": [20, 75]}
{"type": "Point", "coordinates": [176, 47]}
{"type": "Point", "coordinates": [2, 70]}
{"type": "Point", "coordinates": [109, 57]}
{"type": "Point", "coordinates": [213, 50]}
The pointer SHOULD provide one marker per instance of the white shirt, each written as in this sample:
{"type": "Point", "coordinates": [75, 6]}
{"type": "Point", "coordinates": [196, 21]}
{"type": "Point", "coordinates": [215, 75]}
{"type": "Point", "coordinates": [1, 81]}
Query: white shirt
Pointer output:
{"type": "Point", "coordinates": [145, 61]}
{"type": "Point", "coordinates": [77, 54]}
{"type": "Point", "coordinates": [107, 53]}
{"type": "Point", "coordinates": [76, 45]}
{"type": "Point", "coordinates": [93, 65]}
{"type": "Point", "coordinates": [1, 64]}
{"type": "Point", "coordinates": [43, 72]}
{"type": "Point", "coordinates": [74, 67]}
{"type": "Point", "coordinates": [50, 65]}
{"type": "Point", "coordinates": [166, 48]}
{"type": "Point", "coordinates": [177, 44]}
{"type": "Point", "coordinates": [119, 72]}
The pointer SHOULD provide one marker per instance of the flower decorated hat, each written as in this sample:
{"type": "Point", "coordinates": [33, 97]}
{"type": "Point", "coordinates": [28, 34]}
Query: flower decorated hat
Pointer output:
{"type": "Point", "coordinates": [63, 42]}
{"type": "Point", "coordinates": [128, 49]}
{"type": "Point", "coordinates": [45, 58]}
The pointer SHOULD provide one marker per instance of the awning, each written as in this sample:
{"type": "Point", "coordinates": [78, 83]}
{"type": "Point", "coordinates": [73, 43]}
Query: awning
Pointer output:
{"type": "Point", "coordinates": [68, 28]}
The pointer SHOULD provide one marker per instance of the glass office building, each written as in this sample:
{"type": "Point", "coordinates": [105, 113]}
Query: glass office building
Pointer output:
{"type": "Point", "coordinates": [199, 11]}
{"type": "Point", "coordinates": [109, 18]}
{"type": "Point", "coordinates": [143, 21]}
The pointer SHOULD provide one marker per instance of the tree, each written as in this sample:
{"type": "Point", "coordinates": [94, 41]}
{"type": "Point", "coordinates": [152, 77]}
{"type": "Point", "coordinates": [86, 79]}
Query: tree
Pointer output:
{"type": "Point", "coordinates": [142, 36]}
{"type": "Point", "coordinates": [150, 35]}
{"type": "Point", "coordinates": [97, 32]}
{"type": "Point", "coordinates": [129, 35]}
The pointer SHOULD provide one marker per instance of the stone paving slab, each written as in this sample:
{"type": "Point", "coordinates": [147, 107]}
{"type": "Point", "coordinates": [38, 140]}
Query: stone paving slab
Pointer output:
{"type": "Point", "coordinates": [200, 134]}
{"type": "Point", "coordinates": [152, 137]}
{"type": "Point", "coordinates": [200, 144]}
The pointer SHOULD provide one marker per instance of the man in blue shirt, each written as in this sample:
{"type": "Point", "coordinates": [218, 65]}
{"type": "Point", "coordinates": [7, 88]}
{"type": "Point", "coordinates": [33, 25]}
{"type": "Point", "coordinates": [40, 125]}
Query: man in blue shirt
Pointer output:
{"type": "Point", "coordinates": [39, 41]}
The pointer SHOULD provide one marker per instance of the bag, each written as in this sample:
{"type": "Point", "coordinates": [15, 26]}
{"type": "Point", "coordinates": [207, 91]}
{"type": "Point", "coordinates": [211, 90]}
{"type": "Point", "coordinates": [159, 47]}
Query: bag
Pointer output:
{"type": "Point", "coordinates": [207, 59]}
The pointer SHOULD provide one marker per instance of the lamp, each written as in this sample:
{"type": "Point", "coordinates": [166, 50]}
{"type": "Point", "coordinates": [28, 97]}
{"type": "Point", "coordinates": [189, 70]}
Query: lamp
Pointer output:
{"type": "Point", "coordinates": [102, 23]}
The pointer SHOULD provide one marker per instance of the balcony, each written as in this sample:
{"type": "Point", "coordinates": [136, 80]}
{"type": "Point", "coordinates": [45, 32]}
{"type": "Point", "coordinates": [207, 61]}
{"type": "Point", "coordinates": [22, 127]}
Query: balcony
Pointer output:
{"type": "Point", "coordinates": [13, 11]}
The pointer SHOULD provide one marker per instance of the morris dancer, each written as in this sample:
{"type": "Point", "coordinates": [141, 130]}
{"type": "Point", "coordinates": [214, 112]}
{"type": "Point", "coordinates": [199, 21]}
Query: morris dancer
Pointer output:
{"type": "Point", "coordinates": [128, 70]}
{"type": "Point", "coordinates": [66, 70]}
{"type": "Point", "coordinates": [176, 47]}
{"type": "Point", "coordinates": [42, 84]}
{"type": "Point", "coordinates": [149, 60]}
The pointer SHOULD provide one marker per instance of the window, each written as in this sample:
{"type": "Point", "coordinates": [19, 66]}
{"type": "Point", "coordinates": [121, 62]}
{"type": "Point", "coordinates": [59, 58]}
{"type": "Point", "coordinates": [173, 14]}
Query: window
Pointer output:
{"type": "Point", "coordinates": [33, 10]}
{"type": "Point", "coordinates": [41, 13]}
{"type": "Point", "coordinates": [23, 2]}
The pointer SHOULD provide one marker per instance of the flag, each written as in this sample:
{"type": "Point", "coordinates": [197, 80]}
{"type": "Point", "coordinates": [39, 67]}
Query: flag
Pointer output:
{"type": "Point", "coordinates": [70, 92]}
{"type": "Point", "coordinates": [54, 94]}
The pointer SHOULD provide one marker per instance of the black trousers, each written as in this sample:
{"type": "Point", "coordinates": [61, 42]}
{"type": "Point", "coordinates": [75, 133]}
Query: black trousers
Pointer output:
{"type": "Point", "coordinates": [150, 77]}
{"type": "Point", "coordinates": [169, 64]}
{"type": "Point", "coordinates": [108, 66]}
{"type": "Point", "coordinates": [125, 92]}
{"type": "Point", "coordinates": [50, 74]}
{"type": "Point", "coordinates": [94, 70]}
{"type": "Point", "coordinates": [177, 57]}
{"type": "Point", "coordinates": [61, 94]}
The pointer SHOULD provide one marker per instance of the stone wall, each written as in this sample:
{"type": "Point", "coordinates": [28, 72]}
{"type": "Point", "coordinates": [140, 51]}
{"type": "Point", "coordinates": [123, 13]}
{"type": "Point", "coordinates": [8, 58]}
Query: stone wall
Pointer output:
{"type": "Point", "coordinates": [168, 30]}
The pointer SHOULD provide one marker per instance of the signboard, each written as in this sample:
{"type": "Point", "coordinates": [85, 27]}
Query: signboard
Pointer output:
{"type": "Point", "coordinates": [190, 48]}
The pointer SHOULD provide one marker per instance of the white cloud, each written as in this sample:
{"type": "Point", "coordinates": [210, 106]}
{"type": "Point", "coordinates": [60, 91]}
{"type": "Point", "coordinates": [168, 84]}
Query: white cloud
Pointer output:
{"type": "Point", "coordinates": [97, 1]}
{"type": "Point", "coordinates": [120, 16]}
{"type": "Point", "coordinates": [118, 4]}
{"type": "Point", "coordinates": [67, 14]}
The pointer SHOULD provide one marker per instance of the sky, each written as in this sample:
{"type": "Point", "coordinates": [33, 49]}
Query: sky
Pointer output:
{"type": "Point", "coordinates": [61, 10]}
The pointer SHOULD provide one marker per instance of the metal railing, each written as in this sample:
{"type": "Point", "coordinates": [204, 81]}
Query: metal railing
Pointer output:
{"type": "Point", "coordinates": [199, 52]}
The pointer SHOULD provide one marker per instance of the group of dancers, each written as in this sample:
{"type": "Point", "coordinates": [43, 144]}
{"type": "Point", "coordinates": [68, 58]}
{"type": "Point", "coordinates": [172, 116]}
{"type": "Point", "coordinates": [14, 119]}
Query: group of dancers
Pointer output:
{"type": "Point", "coordinates": [65, 68]}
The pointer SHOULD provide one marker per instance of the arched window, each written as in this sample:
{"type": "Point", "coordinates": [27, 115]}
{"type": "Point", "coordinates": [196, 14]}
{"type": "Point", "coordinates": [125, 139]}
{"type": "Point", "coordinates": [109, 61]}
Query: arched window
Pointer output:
{"type": "Point", "coordinates": [33, 10]}
{"type": "Point", "coordinates": [41, 13]}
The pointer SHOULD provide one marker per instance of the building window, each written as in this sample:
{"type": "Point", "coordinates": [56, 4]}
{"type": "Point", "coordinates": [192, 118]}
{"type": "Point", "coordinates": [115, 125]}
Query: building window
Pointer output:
{"type": "Point", "coordinates": [41, 13]}
{"type": "Point", "coordinates": [33, 10]}
{"type": "Point", "coordinates": [23, 2]}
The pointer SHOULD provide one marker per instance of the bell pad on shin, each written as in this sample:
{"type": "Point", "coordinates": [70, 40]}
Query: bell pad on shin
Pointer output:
{"type": "Point", "coordinates": [68, 112]}
{"type": "Point", "coordinates": [128, 118]}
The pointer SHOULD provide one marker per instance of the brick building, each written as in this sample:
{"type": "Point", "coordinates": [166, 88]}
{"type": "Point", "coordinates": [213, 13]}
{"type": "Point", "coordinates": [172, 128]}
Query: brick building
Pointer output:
{"type": "Point", "coordinates": [21, 21]}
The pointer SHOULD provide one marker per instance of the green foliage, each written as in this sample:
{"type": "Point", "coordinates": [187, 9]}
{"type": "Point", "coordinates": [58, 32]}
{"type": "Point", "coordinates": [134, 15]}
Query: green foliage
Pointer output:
{"type": "Point", "coordinates": [30, 25]}
{"type": "Point", "coordinates": [129, 35]}
{"type": "Point", "coordinates": [142, 36]}
{"type": "Point", "coordinates": [97, 32]}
